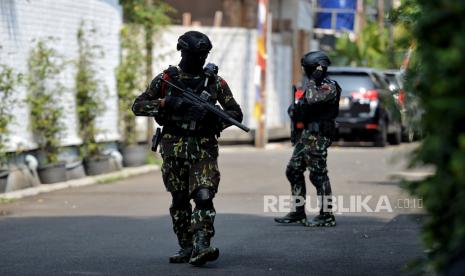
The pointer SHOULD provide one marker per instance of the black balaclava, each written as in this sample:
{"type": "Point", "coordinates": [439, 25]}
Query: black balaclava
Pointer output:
{"type": "Point", "coordinates": [192, 62]}
{"type": "Point", "coordinates": [315, 65]}
{"type": "Point", "coordinates": [194, 47]}
{"type": "Point", "coordinates": [317, 73]}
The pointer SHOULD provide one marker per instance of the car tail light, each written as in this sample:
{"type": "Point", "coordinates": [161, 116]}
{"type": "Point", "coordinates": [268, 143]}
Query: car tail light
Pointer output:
{"type": "Point", "coordinates": [371, 95]}
{"type": "Point", "coordinates": [401, 98]}
{"type": "Point", "coordinates": [371, 126]}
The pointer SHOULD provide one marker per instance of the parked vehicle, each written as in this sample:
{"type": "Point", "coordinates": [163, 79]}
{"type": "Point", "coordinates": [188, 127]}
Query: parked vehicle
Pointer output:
{"type": "Point", "coordinates": [409, 105]}
{"type": "Point", "coordinates": [367, 108]}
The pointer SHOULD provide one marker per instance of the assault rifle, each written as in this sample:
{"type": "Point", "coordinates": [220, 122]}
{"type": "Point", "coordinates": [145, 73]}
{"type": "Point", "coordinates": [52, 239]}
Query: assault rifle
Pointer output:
{"type": "Point", "coordinates": [203, 101]}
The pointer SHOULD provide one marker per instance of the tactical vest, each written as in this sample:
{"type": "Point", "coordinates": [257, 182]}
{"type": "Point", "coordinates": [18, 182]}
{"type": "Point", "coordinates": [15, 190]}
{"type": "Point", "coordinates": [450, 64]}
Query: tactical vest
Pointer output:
{"type": "Point", "coordinates": [177, 123]}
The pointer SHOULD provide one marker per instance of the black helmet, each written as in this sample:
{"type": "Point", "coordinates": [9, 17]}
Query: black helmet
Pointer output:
{"type": "Point", "coordinates": [313, 59]}
{"type": "Point", "coordinates": [195, 42]}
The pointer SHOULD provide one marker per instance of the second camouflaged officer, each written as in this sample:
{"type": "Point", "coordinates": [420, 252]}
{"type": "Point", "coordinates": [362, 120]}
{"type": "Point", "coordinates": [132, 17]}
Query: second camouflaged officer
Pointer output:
{"type": "Point", "coordinates": [189, 146]}
{"type": "Point", "coordinates": [315, 111]}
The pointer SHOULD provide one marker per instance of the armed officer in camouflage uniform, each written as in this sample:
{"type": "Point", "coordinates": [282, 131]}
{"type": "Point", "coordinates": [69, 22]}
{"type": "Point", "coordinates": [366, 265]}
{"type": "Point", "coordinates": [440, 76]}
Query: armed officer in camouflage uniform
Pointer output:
{"type": "Point", "coordinates": [315, 112]}
{"type": "Point", "coordinates": [189, 146]}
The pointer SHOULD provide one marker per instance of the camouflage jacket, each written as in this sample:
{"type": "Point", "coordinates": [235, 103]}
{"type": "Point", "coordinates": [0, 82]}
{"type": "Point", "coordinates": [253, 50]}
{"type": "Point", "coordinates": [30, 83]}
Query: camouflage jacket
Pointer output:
{"type": "Point", "coordinates": [322, 103]}
{"type": "Point", "coordinates": [185, 146]}
{"type": "Point", "coordinates": [315, 94]}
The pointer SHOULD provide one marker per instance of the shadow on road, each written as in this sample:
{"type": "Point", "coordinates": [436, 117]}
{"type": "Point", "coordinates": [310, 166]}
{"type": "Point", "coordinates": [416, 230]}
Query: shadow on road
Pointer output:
{"type": "Point", "coordinates": [249, 244]}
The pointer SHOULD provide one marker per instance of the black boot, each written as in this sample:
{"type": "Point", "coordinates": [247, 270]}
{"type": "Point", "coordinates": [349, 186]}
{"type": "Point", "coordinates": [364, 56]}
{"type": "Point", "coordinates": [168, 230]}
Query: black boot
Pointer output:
{"type": "Point", "coordinates": [203, 252]}
{"type": "Point", "coordinates": [182, 256]}
{"type": "Point", "coordinates": [293, 217]}
{"type": "Point", "coordinates": [325, 219]}
{"type": "Point", "coordinates": [185, 252]}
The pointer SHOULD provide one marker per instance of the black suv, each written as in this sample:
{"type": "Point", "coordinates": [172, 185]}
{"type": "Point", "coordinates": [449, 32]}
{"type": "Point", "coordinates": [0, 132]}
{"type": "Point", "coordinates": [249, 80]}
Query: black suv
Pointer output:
{"type": "Point", "coordinates": [367, 109]}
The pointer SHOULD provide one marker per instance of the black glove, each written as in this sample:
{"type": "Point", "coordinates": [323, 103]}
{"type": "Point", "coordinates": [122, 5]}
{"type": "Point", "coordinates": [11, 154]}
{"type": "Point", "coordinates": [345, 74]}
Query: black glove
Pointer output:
{"type": "Point", "coordinates": [196, 113]}
{"type": "Point", "coordinates": [296, 111]}
{"type": "Point", "coordinates": [174, 103]}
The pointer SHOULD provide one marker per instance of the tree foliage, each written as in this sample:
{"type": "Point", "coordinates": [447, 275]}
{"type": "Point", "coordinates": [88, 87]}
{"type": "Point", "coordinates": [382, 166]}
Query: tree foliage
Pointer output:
{"type": "Point", "coordinates": [150, 14]}
{"type": "Point", "coordinates": [438, 78]}
{"type": "Point", "coordinates": [405, 18]}
{"type": "Point", "coordinates": [89, 91]}
{"type": "Point", "coordinates": [44, 91]}
{"type": "Point", "coordinates": [130, 77]}
{"type": "Point", "coordinates": [9, 80]}
{"type": "Point", "coordinates": [369, 49]}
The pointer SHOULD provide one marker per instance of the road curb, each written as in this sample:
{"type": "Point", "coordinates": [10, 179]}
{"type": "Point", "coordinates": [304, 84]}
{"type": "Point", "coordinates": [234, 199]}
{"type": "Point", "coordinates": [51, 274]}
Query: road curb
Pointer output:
{"type": "Point", "coordinates": [86, 181]}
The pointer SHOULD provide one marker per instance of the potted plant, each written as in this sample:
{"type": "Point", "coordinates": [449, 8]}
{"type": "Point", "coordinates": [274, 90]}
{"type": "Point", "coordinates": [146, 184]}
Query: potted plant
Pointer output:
{"type": "Point", "coordinates": [130, 77]}
{"type": "Point", "coordinates": [89, 103]}
{"type": "Point", "coordinates": [44, 94]}
{"type": "Point", "coordinates": [8, 82]}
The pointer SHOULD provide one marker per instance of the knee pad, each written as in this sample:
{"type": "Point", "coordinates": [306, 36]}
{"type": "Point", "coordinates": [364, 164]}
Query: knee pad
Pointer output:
{"type": "Point", "coordinates": [203, 198]}
{"type": "Point", "coordinates": [180, 200]}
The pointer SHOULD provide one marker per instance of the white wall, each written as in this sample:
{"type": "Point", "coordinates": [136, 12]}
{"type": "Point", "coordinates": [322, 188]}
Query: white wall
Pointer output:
{"type": "Point", "coordinates": [22, 21]}
{"type": "Point", "coordinates": [298, 12]}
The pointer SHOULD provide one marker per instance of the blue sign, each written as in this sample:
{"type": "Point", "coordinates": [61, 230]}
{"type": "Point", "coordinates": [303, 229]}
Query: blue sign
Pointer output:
{"type": "Point", "coordinates": [343, 21]}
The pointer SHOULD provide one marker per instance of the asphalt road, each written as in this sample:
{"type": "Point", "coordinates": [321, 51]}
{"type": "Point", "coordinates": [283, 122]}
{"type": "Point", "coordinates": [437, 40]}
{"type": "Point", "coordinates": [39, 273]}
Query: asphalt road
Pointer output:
{"type": "Point", "coordinates": [123, 228]}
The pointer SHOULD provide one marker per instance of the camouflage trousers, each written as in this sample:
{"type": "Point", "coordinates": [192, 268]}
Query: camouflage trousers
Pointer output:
{"type": "Point", "coordinates": [310, 153]}
{"type": "Point", "coordinates": [183, 177]}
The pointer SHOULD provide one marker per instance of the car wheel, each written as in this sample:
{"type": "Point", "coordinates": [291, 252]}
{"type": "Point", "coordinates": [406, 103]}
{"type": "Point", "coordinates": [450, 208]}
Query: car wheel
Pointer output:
{"type": "Point", "coordinates": [396, 137]}
{"type": "Point", "coordinates": [381, 137]}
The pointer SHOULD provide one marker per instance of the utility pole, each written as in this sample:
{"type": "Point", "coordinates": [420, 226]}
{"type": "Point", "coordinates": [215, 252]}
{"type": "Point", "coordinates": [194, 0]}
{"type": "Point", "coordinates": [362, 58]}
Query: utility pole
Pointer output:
{"type": "Point", "coordinates": [263, 25]}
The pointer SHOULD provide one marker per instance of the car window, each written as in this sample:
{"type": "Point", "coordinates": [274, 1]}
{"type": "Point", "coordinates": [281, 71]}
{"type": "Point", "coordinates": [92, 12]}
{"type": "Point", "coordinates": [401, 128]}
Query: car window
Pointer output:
{"type": "Point", "coordinates": [393, 82]}
{"type": "Point", "coordinates": [379, 83]}
{"type": "Point", "coordinates": [352, 81]}
{"type": "Point", "coordinates": [391, 78]}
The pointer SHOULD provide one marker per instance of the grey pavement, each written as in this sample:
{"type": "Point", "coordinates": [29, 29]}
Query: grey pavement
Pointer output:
{"type": "Point", "coordinates": [123, 228]}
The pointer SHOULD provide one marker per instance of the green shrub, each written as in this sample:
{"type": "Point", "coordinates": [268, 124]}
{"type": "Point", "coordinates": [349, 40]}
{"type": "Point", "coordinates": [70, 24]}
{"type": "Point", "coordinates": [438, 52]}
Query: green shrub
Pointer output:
{"type": "Point", "coordinates": [437, 77]}
{"type": "Point", "coordinates": [44, 92]}
{"type": "Point", "coordinates": [130, 78]}
{"type": "Point", "coordinates": [89, 91]}
{"type": "Point", "coordinates": [9, 81]}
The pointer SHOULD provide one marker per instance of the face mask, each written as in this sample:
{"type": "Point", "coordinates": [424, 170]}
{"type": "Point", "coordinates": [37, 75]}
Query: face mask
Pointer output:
{"type": "Point", "coordinates": [318, 74]}
{"type": "Point", "coordinates": [192, 63]}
